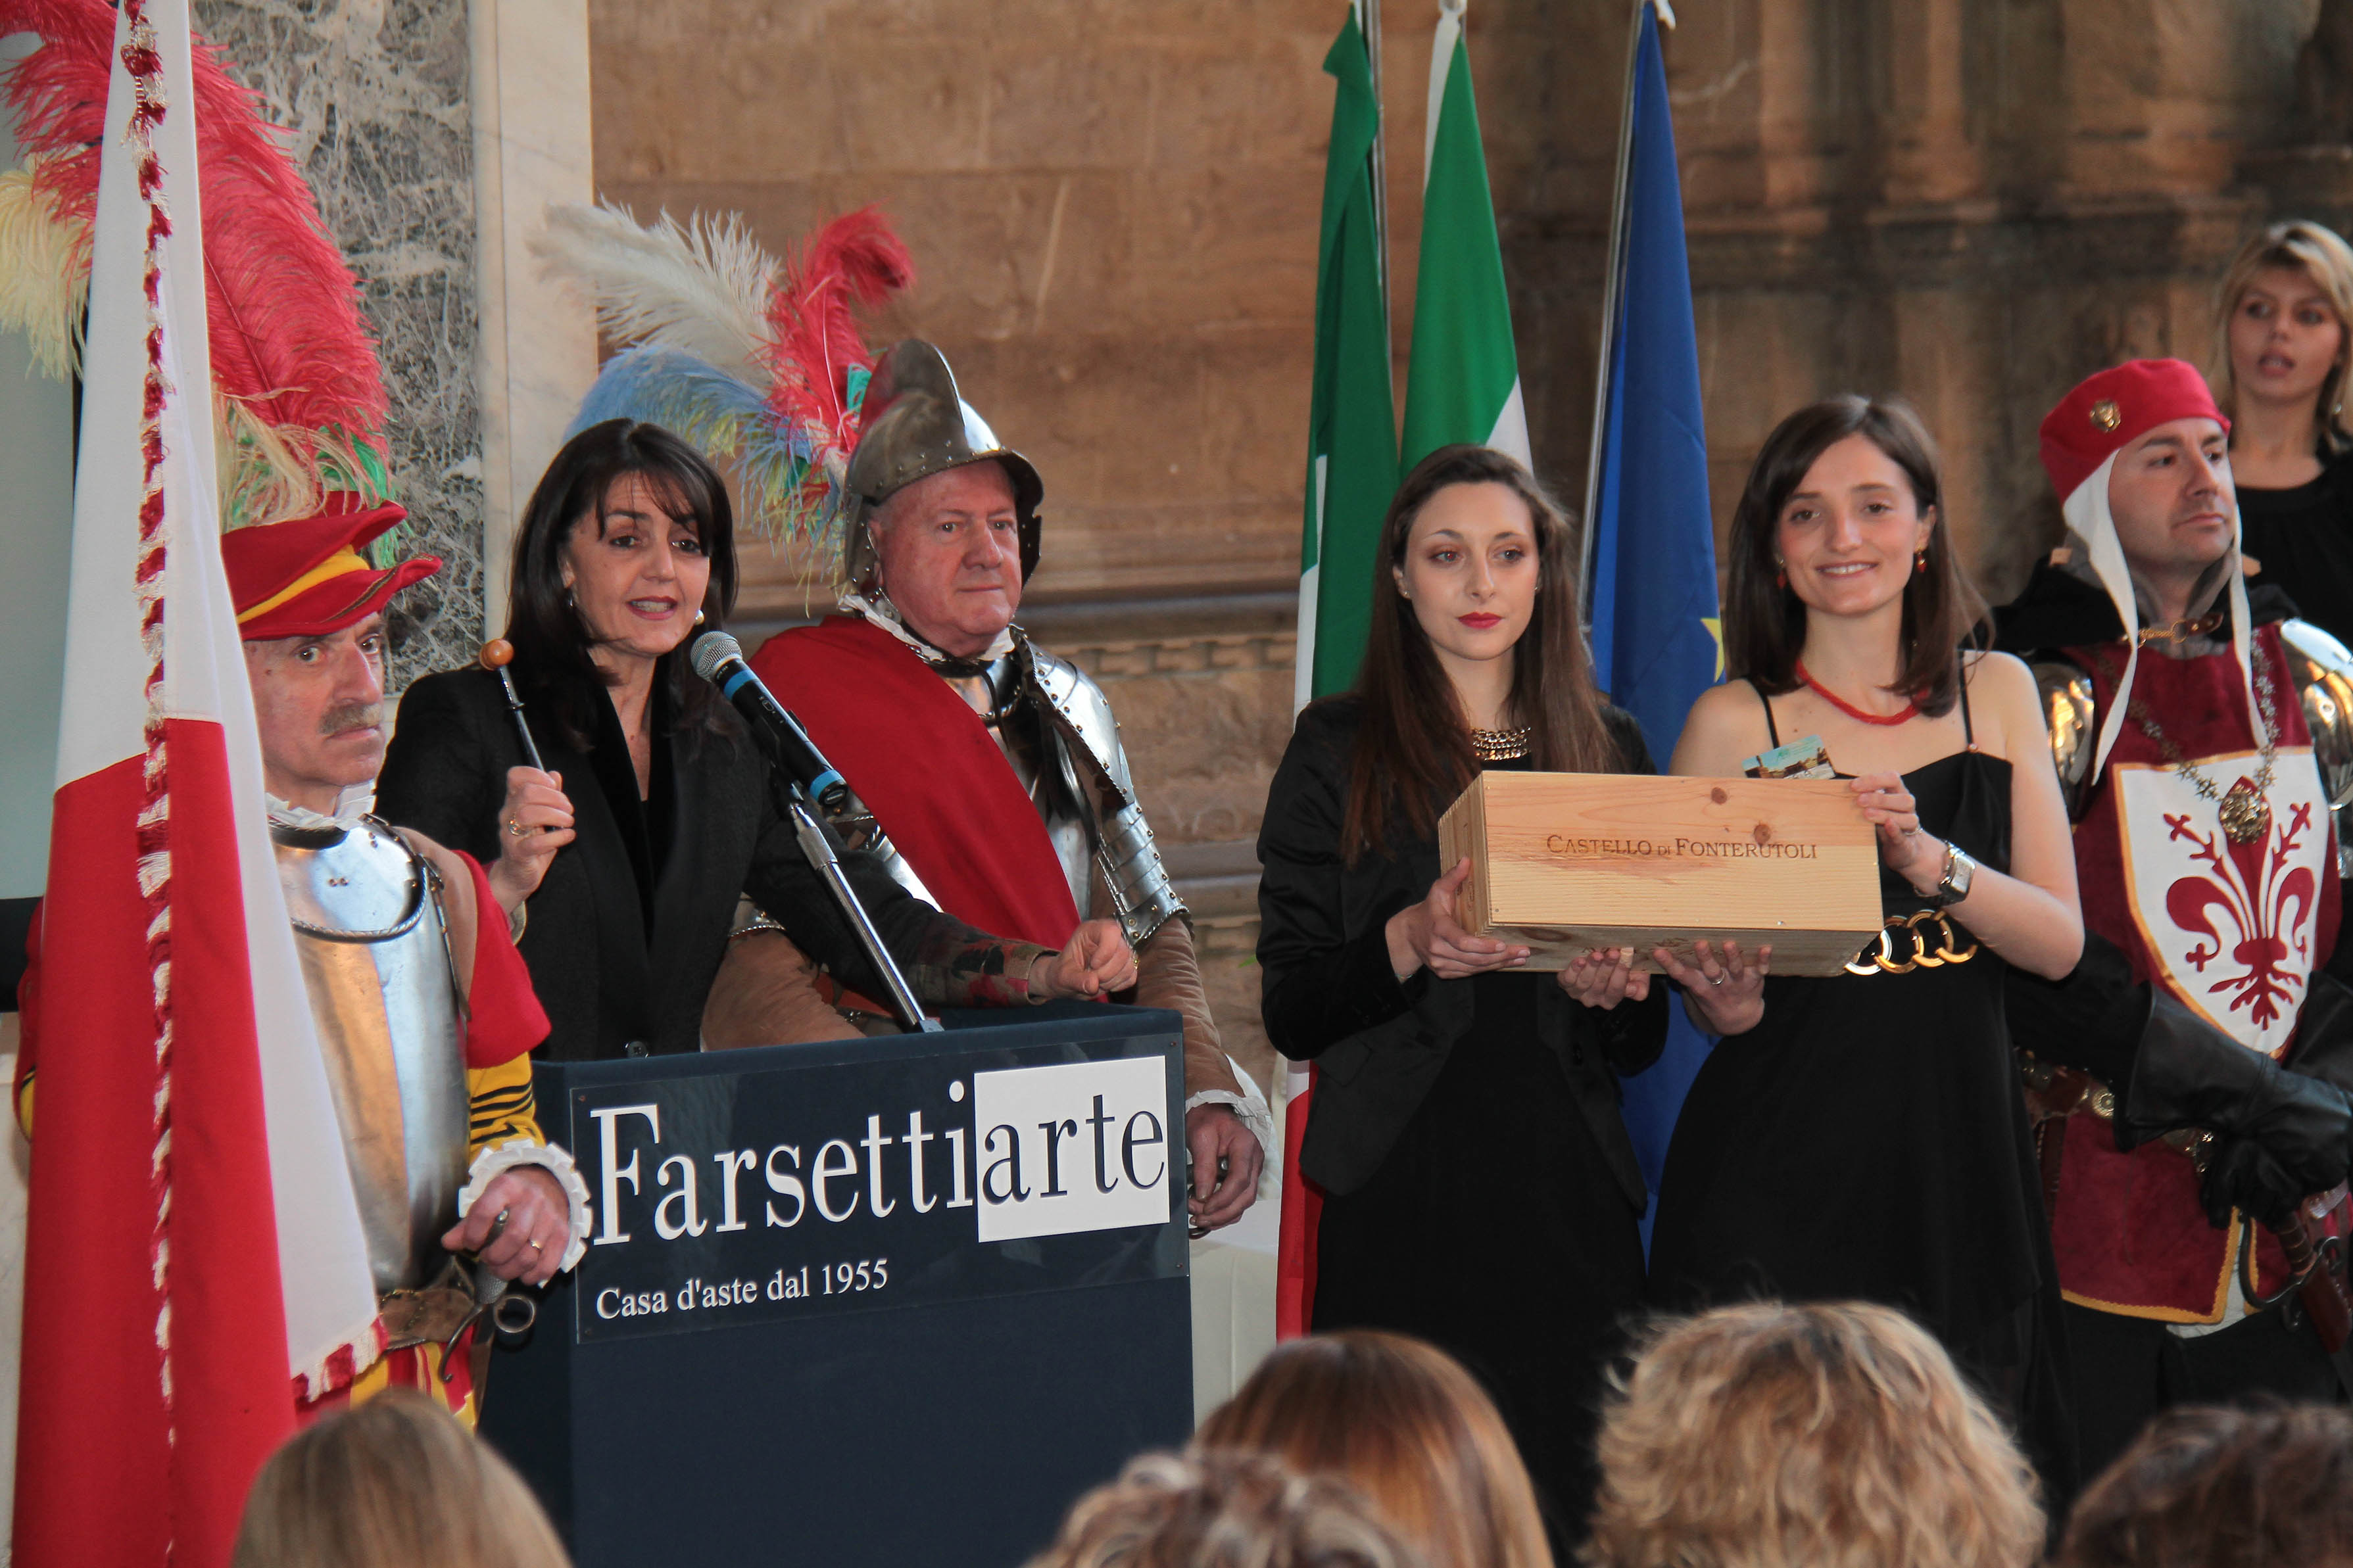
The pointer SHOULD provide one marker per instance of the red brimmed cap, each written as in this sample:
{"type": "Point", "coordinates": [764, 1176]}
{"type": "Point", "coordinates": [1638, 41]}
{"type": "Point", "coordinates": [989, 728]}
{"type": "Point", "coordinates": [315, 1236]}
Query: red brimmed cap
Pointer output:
{"type": "Point", "coordinates": [307, 577]}
{"type": "Point", "coordinates": [2111, 409]}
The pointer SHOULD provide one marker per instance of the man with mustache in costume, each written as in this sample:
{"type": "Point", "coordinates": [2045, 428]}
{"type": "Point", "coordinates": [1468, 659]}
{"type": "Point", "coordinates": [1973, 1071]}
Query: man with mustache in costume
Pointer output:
{"type": "Point", "coordinates": [424, 1013]}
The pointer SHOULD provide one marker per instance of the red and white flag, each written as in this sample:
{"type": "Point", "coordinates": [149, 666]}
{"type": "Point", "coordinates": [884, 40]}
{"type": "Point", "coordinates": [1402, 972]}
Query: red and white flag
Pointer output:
{"type": "Point", "coordinates": [193, 1243]}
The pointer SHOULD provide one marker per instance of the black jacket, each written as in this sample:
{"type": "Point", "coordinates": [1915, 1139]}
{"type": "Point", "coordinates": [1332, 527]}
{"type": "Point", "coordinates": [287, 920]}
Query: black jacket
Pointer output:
{"type": "Point", "coordinates": [1329, 994]}
{"type": "Point", "coordinates": [604, 982]}
{"type": "Point", "coordinates": [2057, 609]}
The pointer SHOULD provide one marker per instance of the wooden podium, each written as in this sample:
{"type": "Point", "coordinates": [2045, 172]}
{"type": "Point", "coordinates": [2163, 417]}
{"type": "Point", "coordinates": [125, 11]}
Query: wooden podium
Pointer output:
{"type": "Point", "coordinates": [893, 1301]}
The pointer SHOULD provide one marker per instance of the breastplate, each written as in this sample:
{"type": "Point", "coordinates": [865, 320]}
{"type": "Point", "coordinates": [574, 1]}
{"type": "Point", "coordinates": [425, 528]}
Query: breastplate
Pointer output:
{"type": "Point", "coordinates": [996, 694]}
{"type": "Point", "coordinates": [369, 928]}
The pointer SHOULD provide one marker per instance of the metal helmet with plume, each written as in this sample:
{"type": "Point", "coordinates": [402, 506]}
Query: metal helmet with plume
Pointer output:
{"type": "Point", "coordinates": [297, 385]}
{"type": "Point", "coordinates": [757, 361]}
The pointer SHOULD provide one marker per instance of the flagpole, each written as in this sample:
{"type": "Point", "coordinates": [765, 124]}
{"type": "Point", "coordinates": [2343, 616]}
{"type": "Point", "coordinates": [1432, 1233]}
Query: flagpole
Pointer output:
{"type": "Point", "coordinates": [1610, 290]}
{"type": "Point", "coordinates": [1368, 14]}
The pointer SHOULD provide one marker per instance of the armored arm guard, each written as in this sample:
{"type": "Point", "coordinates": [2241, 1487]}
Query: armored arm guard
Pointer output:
{"type": "Point", "coordinates": [2071, 716]}
{"type": "Point", "coordinates": [1079, 721]}
{"type": "Point", "coordinates": [2321, 669]}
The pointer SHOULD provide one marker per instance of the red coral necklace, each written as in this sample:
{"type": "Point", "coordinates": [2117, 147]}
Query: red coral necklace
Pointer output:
{"type": "Point", "coordinates": [1848, 709]}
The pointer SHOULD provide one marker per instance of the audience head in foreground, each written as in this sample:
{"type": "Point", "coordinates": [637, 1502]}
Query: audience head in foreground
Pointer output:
{"type": "Point", "coordinates": [2205, 1488]}
{"type": "Point", "coordinates": [1404, 1424]}
{"type": "Point", "coordinates": [392, 1483]}
{"type": "Point", "coordinates": [1222, 1510]}
{"type": "Point", "coordinates": [1807, 1436]}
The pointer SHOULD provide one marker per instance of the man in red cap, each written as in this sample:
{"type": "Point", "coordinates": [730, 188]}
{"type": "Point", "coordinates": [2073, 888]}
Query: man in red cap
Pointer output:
{"type": "Point", "coordinates": [424, 1011]}
{"type": "Point", "coordinates": [2182, 1163]}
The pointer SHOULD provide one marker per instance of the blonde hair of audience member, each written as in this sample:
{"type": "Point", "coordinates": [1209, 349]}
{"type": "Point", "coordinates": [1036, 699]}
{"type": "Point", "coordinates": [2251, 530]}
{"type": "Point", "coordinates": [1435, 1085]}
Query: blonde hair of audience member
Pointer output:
{"type": "Point", "coordinates": [1807, 1436]}
{"type": "Point", "coordinates": [2204, 1487]}
{"type": "Point", "coordinates": [1403, 1423]}
{"type": "Point", "coordinates": [2318, 252]}
{"type": "Point", "coordinates": [1223, 1510]}
{"type": "Point", "coordinates": [392, 1483]}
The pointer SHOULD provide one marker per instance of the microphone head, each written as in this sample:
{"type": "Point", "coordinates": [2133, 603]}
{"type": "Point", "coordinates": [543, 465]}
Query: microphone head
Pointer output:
{"type": "Point", "coordinates": [711, 651]}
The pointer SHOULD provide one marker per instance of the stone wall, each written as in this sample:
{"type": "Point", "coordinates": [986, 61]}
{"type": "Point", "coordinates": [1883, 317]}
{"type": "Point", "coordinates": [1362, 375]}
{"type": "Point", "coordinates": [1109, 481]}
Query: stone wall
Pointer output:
{"type": "Point", "coordinates": [1973, 202]}
{"type": "Point", "coordinates": [375, 95]}
{"type": "Point", "coordinates": [1113, 202]}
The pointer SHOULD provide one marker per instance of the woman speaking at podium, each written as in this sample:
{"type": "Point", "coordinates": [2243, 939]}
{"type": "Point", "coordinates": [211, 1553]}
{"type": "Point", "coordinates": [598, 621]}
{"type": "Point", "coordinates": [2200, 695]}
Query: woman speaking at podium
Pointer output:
{"type": "Point", "coordinates": [1480, 1190]}
{"type": "Point", "coordinates": [655, 812]}
{"type": "Point", "coordinates": [1867, 1140]}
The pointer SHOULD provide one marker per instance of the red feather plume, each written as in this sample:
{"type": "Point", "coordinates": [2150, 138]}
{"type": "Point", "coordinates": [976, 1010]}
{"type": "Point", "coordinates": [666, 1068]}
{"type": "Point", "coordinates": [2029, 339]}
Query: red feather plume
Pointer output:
{"type": "Point", "coordinates": [287, 339]}
{"type": "Point", "coordinates": [855, 261]}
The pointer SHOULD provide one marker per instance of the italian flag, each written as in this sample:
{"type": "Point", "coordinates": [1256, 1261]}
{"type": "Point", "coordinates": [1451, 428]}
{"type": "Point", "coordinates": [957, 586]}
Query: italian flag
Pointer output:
{"type": "Point", "coordinates": [1352, 471]}
{"type": "Point", "coordinates": [1464, 380]}
{"type": "Point", "coordinates": [1352, 468]}
{"type": "Point", "coordinates": [192, 1249]}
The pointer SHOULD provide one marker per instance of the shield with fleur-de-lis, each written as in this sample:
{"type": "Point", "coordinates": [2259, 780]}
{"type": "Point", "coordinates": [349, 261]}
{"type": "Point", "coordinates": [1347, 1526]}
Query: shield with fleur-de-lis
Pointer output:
{"type": "Point", "coordinates": [2229, 920]}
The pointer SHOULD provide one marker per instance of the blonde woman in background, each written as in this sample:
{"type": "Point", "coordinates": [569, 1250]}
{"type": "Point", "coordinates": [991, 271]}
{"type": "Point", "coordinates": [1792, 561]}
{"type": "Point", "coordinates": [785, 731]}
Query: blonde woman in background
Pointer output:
{"type": "Point", "coordinates": [1834, 1436]}
{"type": "Point", "coordinates": [1222, 1510]}
{"type": "Point", "coordinates": [394, 1483]}
{"type": "Point", "coordinates": [2281, 348]}
{"type": "Point", "coordinates": [1403, 1423]}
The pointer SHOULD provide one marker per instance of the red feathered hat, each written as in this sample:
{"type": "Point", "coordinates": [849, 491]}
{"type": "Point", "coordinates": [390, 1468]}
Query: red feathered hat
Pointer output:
{"type": "Point", "coordinates": [2106, 413]}
{"type": "Point", "coordinates": [307, 577]}
{"type": "Point", "coordinates": [2115, 407]}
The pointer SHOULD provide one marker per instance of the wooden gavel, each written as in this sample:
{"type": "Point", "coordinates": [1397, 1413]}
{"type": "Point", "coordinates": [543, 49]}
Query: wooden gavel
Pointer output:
{"type": "Point", "coordinates": [497, 654]}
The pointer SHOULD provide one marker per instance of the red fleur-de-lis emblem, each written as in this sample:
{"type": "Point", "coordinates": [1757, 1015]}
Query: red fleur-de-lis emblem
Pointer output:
{"type": "Point", "coordinates": [2266, 897]}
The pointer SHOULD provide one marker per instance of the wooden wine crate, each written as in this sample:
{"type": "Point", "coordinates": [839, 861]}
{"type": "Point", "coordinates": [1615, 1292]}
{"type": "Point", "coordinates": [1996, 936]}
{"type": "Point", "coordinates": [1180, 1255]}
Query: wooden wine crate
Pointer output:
{"type": "Point", "coordinates": [1565, 863]}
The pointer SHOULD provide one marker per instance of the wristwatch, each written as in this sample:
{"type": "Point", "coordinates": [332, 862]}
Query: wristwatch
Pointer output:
{"type": "Point", "coordinates": [1951, 888]}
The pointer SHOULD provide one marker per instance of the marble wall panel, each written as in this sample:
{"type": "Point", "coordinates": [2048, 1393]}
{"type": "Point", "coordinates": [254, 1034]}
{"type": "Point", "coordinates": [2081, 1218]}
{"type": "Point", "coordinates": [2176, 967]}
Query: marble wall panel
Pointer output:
{"type": "Point", "coordinates": [373, 93]}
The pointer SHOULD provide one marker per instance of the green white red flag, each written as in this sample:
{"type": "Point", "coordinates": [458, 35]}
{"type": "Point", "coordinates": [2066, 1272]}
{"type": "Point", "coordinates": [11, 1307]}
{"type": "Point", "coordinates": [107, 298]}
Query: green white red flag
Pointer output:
{"type": "Point", "coordinates": [1463, 382]}
{"type": "Point", "coordinates": [1352, 468]}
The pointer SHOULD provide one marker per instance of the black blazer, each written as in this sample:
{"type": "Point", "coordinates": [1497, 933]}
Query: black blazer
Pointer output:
{"type": "Point", "coordinates": [603, 980]}
{"type": "Point", "coordinates": [1330, 997]}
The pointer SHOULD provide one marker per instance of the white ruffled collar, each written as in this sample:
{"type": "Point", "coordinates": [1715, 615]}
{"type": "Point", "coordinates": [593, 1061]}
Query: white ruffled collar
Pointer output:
{"type": "Point", "coordinates": [355, 801]}
{"type": "Point", "coordinates": [878, 609]}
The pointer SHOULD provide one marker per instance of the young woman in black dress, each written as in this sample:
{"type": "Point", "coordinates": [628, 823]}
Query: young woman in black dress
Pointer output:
{"type": "Point", "coordinates": [1866, 1139]}
{"type": "Point", "coordinates": [2281, 332]}
{"type": "Point", "coordinates": [1479, 1188]}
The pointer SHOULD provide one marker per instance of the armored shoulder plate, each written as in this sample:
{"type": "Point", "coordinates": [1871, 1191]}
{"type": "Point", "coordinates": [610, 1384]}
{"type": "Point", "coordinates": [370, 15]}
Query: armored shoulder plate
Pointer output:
{"type": "Point", "coordinates": [1079, 719]}
{"type": "Point", "coordinates": [2073, 718]}
{"type": "Point", "coordinates": [2321, 669]}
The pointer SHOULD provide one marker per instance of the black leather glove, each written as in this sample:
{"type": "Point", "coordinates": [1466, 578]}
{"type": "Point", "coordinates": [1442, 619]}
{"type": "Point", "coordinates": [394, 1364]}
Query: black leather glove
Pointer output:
{"type": "Point", "coordinates": [2324, 1032]}
{"type": "Point", "coordinates": [2092, 1020]}
{"type": "Point", "coordinates": [2240, 1175]}
{"type": "Point", "coordinates": [2190, 1074]}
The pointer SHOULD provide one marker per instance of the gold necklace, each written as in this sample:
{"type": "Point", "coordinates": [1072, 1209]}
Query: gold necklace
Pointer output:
{"type": "Point", "coordinates": [2245, 811]}
{"type": "Point", "coordinates": [1502, 745]}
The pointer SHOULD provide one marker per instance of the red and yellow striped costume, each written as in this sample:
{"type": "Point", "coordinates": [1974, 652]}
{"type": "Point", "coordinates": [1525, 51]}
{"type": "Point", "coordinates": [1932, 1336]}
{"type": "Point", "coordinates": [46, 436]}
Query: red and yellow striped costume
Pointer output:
{"type": "Point", "coordinates": [505, 1022]}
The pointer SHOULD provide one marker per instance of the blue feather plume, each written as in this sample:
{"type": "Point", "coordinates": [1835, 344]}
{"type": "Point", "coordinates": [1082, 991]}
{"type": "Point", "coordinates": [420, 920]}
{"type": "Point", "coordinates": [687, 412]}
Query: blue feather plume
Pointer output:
{"type": "Point", "coordinates": [727, 419]}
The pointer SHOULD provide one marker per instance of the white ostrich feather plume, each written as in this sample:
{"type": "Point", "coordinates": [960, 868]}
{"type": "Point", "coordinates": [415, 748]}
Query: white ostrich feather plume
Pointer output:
{"type": "Point", "coordinates": [702, 286]}
{"type": "Point", "coordinates": [44, 271]}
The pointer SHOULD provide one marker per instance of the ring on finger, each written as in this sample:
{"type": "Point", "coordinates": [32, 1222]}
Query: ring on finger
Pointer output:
{"type": "Point", "coordinates": [515, 829]}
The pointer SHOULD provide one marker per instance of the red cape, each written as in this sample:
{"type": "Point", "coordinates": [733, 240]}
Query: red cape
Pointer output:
{"type": "Point", "coordinates": [928, 769]}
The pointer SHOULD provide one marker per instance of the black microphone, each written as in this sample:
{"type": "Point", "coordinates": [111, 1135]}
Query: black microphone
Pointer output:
{"type": "Point", "coordinates": [719, 659]}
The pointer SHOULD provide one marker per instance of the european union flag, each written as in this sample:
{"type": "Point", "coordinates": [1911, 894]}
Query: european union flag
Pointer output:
{"type": "Point", "coordinates": [1656, 640]}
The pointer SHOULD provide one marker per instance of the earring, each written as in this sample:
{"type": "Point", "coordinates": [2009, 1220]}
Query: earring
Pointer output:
{"type": "Point", "coordinates": [1920, 562]}
{"type": "Point", "coordinates": [698, 617]}
{"type": "Point", "coordinates": [1780, 573]}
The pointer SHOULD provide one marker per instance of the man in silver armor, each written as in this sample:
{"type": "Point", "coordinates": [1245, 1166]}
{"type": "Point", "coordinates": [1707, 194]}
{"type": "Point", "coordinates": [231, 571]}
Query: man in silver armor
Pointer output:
{"type": "Point", "coordinates": [986, 771]}
{"type": "Point", "coordinates": [424, 1013]}
{"type": "Point", "coordinates": [2189, 1081]}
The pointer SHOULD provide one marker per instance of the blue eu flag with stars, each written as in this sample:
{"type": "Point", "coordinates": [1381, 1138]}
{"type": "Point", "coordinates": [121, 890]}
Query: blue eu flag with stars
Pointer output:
{"type": "Point", "coordinates": [1656, 634]}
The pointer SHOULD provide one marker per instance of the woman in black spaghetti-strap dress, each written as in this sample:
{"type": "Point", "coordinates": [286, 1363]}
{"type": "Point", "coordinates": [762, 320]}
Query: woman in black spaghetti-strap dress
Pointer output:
{"type": "Point", "coordinates": [1867, 1140]}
